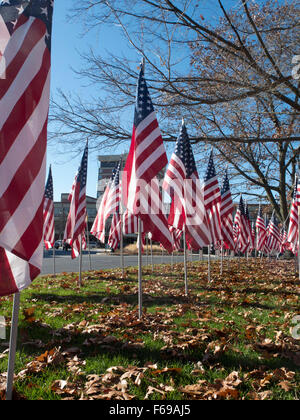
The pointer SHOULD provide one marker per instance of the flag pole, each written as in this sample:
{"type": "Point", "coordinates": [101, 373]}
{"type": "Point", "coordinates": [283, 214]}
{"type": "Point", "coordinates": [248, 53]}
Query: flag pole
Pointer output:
{"type": "Point", "coordinates": [12, 347]}
{"type": "Point", "coordinates": [88, 240]}
{"type": "Point", "coordinates": [122, 247]}
{"type": "Point", "coordinates": [208, 264]}
{"type": "Point", "coordinates": [151, 251]}
{"type": "Point", "coordinates": [80, 263]}
{"type": "Point", "coordinates": [299, 239]}
{"type": "Point", "coordinates": [140, 297]}
{"type": "Point", "coordinates": [185, 264]}
{"type": "Point", "coordinates": [54, 266]}
{"type": "Point", "coordinates": [221, 271]}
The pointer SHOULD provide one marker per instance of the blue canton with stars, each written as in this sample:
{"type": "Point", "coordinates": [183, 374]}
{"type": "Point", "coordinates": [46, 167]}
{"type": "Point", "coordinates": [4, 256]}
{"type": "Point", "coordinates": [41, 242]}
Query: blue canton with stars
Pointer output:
{"type": "Point", "coordinates": [116, 175]}
{"type": "Point", "coordinates": [242, 207]}
{"type": "Point", "coordinates": [143, 106]}
{"type": "Point", "coordinates": [49, 186]}
{"type": "Point", "coordinates": [184, 151]}
{"type": "Point", "coordinates": [10, 10]}
{"type": "Point", "coordinates": [225, 186]}
{"type": "Point", "coordinates": [82, 171]}
{"type": "Point", "coordinates": [211, 171]}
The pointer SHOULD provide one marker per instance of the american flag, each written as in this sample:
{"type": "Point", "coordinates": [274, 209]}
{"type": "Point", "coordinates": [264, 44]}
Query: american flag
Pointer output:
{"type": "Point", "coordinates": [294, 217]}
{"type": "Point", "coordinates": [177, 235]}
{"type": "Point", "coordinates": [283, 240]}
{"type": "Point", "coordinates": [25, 40]}
{"type": "Point", "coordinates": [109, 204]}
{"type": "Point", "coordinates": [115, 232]}
{"type": "Point", "coordinates": [130, 223]}
{"type": "Point", "coordinates": [243, 228]}
{"type": "Point", "coordinates": [212, 201]}
{"type": "Point", "coordinates": [274, 239]}
{"type": "Point", "coordinates": [261, 231]}
{"type": "Point", "coordinates": [226, 210]}
{"type": "Point", "coordinates": [182, 183]}
{"type": "Point", "coordinates": [49, 213]}
{"type": "Point", "coordinates": [251, 237]}
{"type": "Point", "coordinates": [147, 157]}
{"type": "Point", "coordinates": [76, 222]}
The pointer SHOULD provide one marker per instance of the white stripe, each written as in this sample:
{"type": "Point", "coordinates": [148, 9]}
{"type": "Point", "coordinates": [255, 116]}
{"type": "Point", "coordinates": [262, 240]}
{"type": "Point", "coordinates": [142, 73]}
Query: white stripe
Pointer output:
{"type": "Point", "coordinates": [20, 271]}
{"type": "Point", "coordinates": [159, 151]}
{"type": "Point", "coordinates": [17, 40]}
{"type": "Point", "coordinates": [25, 140]}
{"type": "Point", "coordinates": [22, 217]}
{"type": "Point", "coordinates": [26, 74]}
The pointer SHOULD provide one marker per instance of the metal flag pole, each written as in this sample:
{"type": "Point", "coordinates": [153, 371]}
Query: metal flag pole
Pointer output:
{"type": "Point", "coordinates": [122, 247]}
{"type": "Point", "coordinates": [140, 297]}
{"type": "Point", "coordinates": [151, 251]}
{"type": "Point", "coordinates": [12, 347]}
{"type": "Point", "coordinates": [299, 239]}
{"type": "Point", "coordinates": [208, 264]}
{"type": "Point", "coordinates": [222, 255]}
{"type": "Point", "coordinates": [88, 240]}
{"type": "Point", "coordinates": [121, 210]}
{"type": "Point", "coordinates": [80, 263]}
{"type": "Point", "coordinates": [185, 264]}
{"type": "Point", "coordinates": [54, 265]}
{"type": "Point", "coordinates": [147, 250]}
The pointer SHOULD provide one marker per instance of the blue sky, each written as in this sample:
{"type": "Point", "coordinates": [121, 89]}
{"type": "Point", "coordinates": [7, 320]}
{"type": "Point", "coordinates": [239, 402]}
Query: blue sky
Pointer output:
{"type": "Point", "coordinates": [67, 40]}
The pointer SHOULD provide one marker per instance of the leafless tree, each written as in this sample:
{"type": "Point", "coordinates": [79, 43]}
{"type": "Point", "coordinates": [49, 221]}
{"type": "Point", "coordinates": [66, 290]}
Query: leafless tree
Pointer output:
{"type": "Point", "coordinates": [230, 75]}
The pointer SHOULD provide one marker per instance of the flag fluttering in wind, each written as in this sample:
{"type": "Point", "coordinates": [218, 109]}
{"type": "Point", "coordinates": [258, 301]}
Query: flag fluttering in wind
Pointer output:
{"type": "Point", "coordinates": [212, 201]}
{"type": "Point", "coordinates": [76, 222]}
{"type": "Point", "coordinates": [25, 42]}
{"type": "Point", "coordinates": [115, 232]}
{"type": "Point", "coordinates": [226, 211]}
{"type": "Point", "coordinates": [182, 184]}
{"type": "Point", "coordinates": [49, 213]}
{"type": "Point", "coordinates": [130, 224]}
{"type": "Point", "coordinates": [147, 158]}
{"type": "Point", "coordinates": [294, 215]}
{"type": "Point", "coordinates": [274, 238]}
{"type": "Point", "coordinates": [243, 228]}
{"type": "Point", "coordinates": [261, 231]}
{"type": "Point", "coordinates": [109, 205]}
{"type": "Point", "coordinates": [251, 234]}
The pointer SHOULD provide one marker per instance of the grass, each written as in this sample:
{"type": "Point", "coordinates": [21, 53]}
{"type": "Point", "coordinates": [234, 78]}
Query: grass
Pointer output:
{"type": "Point", "coordinates": [227, 340]}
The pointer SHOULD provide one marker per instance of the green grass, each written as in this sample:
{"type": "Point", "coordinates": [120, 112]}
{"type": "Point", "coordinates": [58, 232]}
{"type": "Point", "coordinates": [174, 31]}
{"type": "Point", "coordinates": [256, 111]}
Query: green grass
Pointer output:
{"type": "Point", "coordinates": [240, 323]}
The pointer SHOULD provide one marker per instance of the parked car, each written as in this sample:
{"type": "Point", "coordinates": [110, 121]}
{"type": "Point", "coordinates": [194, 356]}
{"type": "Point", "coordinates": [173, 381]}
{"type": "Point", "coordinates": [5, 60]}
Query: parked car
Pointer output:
{"type": "Point", "coordinates": [58, 244]}
{"type": "Point", "coordinates": [93, 244]}
{"type": "Point", "coordinates": [66, 246]}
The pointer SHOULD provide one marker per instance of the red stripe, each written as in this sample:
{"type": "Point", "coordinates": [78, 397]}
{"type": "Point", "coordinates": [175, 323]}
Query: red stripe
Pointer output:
{"type": "Point", "coordinates": [22, 179]}
{"type": "Point", "coordinates": [24, 108]}
{"type": "Point", "coordinates": [7, 281]}
{"type": "Point", "coordinates": [35, 33]}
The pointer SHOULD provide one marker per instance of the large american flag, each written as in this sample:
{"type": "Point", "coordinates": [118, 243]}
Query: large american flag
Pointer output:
{"type": "Point", "coordinates": [147, 157]}
{"type": "Point", "coordinates": [294, 215]}
{"type": "Point", "coordinates": [226, 210]}
{"type": "Point", "coordinates": [76, 222]}
{"type": "Point", "coordinates": [25, 40]}
{"type": "Point", "coordinates": [261, 231]}
{"type": "Point", "coordinates": [49, 213]}
{"type": "Point", "coordinates": [109, 204]}
{"type": "Point", "coordinates": [212, 201]}
{"type": "Point", "coordinates": [182, 182]}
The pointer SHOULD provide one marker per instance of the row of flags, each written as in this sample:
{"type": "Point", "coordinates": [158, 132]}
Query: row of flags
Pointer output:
{"type": "Point", "coordinates": [203, 213]}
